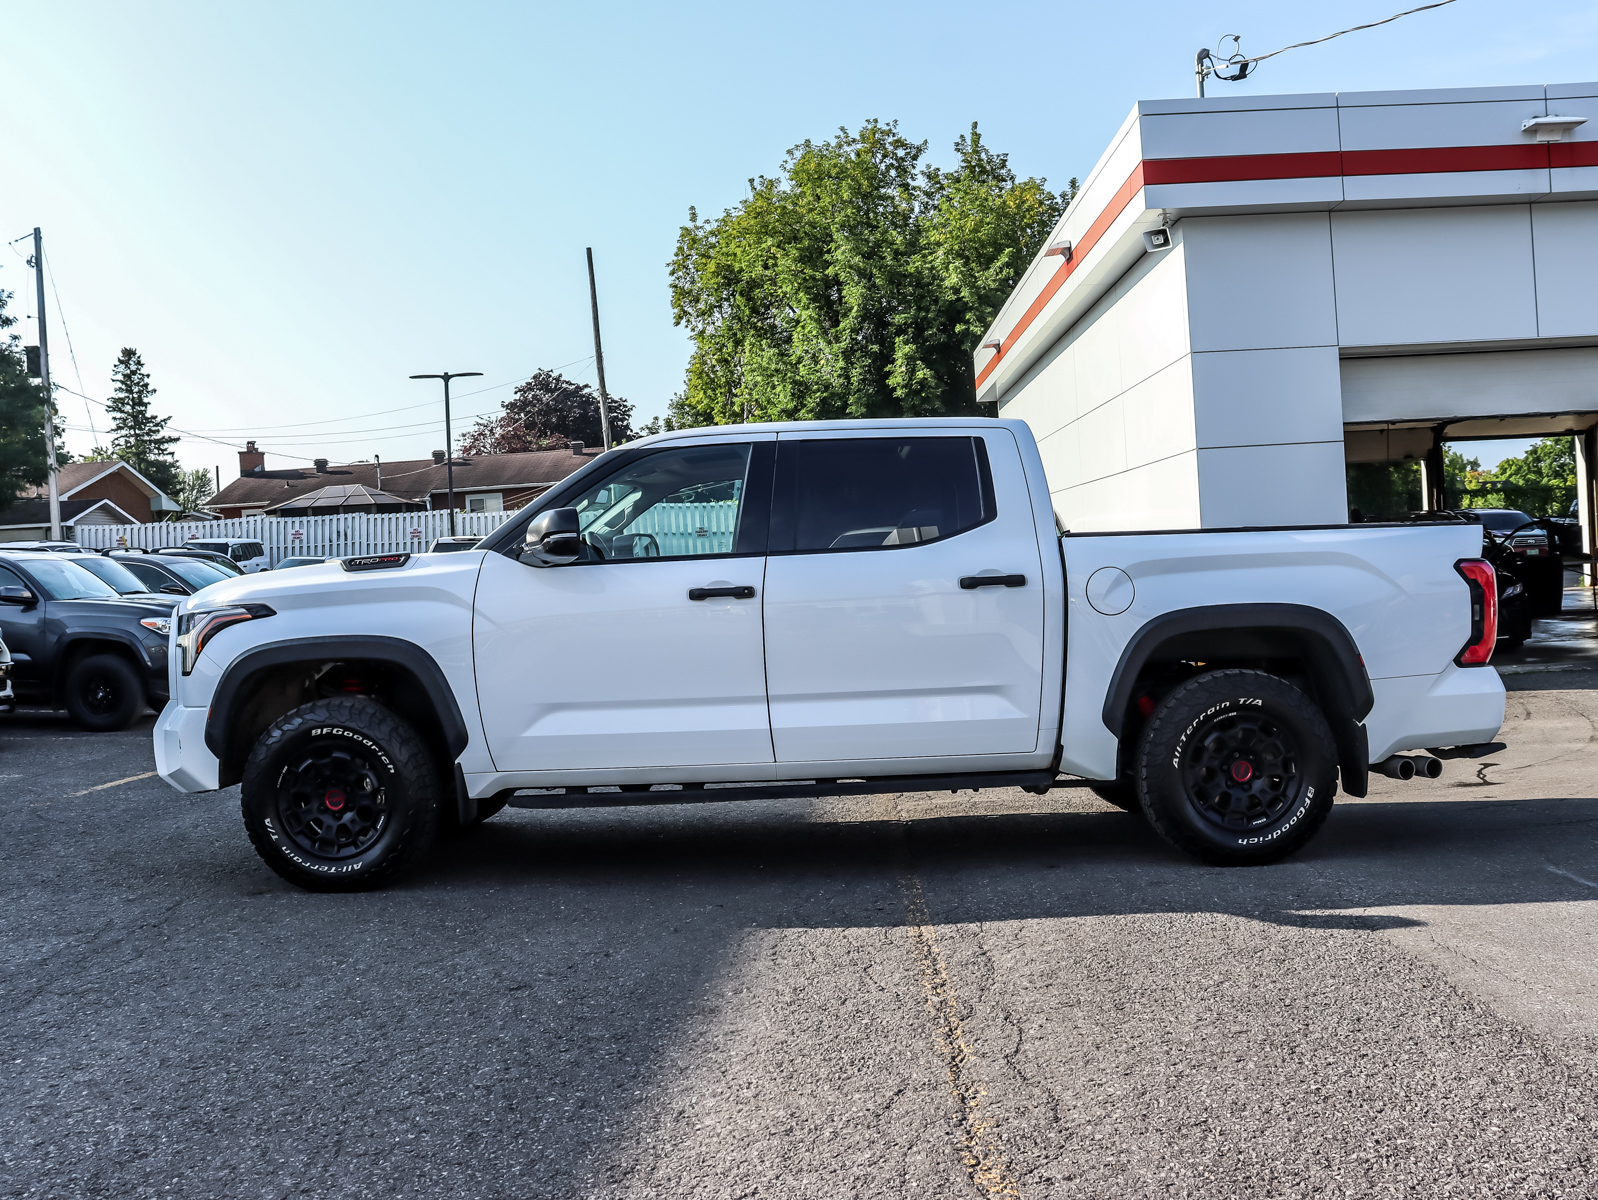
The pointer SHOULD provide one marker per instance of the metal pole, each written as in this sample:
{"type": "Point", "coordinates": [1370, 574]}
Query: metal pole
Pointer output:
{"type": "Point", "coordinates": [1198, 70]}
{"type": "Point", "coordinates": [449, 458]}
{"type": "Point", "coordinates": [599, 353]}
{"type": "Point", "coordinates": [49, 396]}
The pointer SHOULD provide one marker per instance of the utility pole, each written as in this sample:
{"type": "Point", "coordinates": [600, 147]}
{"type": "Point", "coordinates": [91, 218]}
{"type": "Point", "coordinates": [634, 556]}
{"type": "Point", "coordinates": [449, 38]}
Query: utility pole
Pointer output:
{"type": "Point", "coordinates": [599, 353]}
{"type": "Point", "coordinates": [379, 460]}
{"type": "Point", "coordinates": [49, 396]}
{"type": "Point", "coordinates": [449, 451]}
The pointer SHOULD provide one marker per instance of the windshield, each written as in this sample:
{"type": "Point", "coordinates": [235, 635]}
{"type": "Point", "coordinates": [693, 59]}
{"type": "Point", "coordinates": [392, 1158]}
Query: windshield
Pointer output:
{"type": "Point", "coordinates": [114, 573]}
{"type": "Point", "coordinates": [64, 580]}
{"type": "Point", "coordinates": [196, 573]}
{"type": "Point", "coordinates": [1503, 520]}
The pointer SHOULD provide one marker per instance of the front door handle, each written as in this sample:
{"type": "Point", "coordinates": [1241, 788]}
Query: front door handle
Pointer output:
{"type": "Point", "coordinates": [743, 592]}
{"type": "Point", "coordinates": [975, 581]}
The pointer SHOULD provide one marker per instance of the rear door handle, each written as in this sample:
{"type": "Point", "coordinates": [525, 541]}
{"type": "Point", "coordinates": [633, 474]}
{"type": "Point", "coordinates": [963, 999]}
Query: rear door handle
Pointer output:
{"type": "Point", "coordinates": [744, 592]}
{"type": "Point", "coordinates": [975, 581]}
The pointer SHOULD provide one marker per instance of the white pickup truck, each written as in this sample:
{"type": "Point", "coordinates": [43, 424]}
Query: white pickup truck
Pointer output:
{"type": "Point", "coordinates": [819, 610]}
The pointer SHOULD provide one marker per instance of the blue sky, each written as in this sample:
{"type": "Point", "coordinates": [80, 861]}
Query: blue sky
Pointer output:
{"type": "Point", "coordinates": [290, 208]}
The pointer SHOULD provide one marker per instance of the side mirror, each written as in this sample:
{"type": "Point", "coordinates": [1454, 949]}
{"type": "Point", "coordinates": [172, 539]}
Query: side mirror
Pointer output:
{"type": "Point", "coordinates": [12, 594]}
{"type": "Point", "coordinates": [174, 589]}
{"type": "Point", "coordinates": [553, 539]}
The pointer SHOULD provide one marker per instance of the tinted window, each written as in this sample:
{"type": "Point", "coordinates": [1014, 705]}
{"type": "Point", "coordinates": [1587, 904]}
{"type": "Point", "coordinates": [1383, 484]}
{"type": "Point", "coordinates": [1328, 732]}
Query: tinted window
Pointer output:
{"type": "Point", "coordinates": [114, 573]}
{"type": "Point", "coordinates": [63, 580]}
{"type": "Point", "coordinates": [681, 503]}
{"type": "Point", "coordinates": [875, 493]}
{"type": "Point", "coordinates": [197, 574]}
{"type": "Point", "coordinates": [150, 576]}
{"type": "Point", "coordinates": [9, 578]}
{"type": "Point", "coordinates": [1502, 521]}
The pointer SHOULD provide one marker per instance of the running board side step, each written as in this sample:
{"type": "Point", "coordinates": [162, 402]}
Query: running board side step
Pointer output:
{"type": "Point", "coordinates": [800, 789]}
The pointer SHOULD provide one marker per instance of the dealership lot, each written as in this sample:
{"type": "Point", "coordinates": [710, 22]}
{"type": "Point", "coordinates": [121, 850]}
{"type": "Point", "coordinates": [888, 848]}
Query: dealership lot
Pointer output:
{"type": "Point", "coordinates": [994, 994]}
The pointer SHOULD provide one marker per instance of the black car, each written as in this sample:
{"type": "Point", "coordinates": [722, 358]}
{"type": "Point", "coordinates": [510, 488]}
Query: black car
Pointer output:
{"type": "Point", "coordinates": [171, 574]}
{"type": "Point", "coordinates": [76, 642]}
{"type": "Point", "coordinates": [122, 581]}
{"type": "Point", "coordinates": [221, 561]}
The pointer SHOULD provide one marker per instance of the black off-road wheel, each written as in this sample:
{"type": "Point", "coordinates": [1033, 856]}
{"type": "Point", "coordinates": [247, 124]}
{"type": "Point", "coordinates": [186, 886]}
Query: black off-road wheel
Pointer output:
{"type": "Point", "coordinates": [104, 693]}
{"type": "Point", "coordinates": [341, 795]}
{"type": "Point", "coordinates": [1237, 768]}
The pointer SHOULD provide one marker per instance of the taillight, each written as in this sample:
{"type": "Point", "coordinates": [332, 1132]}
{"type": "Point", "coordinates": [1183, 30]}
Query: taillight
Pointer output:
{"type": "Point", "coordinates": [1483, 584]}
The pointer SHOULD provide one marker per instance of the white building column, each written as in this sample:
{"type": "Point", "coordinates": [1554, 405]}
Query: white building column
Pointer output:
{"type": "Point", "coordinates": [1267, 389]}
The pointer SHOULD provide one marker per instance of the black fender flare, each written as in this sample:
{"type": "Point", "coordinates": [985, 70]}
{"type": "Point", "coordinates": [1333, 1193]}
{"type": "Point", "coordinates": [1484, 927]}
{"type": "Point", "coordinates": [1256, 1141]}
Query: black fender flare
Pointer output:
{"type": "Point", "coordinates": [244, 669]}
{"type": "Point", "coordinates": [1334, 659]}
{"type": "Point", "coordinates": [105, 633]}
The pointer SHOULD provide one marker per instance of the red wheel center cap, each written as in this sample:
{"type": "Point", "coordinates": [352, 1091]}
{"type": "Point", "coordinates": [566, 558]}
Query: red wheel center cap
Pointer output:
{"type": "Point", "coordinates": [335, 798]}
{"type": "Point", "coordinates": [1242, 771]}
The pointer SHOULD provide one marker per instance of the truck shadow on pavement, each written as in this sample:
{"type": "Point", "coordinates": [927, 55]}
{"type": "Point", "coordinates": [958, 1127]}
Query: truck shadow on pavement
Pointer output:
{"type": "Point", "coordinates": [1053, 864]}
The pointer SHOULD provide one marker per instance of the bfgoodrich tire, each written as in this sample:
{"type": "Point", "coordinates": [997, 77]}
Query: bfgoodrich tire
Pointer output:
{"type": "Point", "coordinates": [1237, 768]}
{"type": "Point", "coordinates": [104, 693]}
{"type": "Point", "coordinates": [341, 795]}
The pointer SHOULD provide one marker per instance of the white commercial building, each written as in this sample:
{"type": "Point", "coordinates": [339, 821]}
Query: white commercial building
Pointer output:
{"type": "Point", "coordinates": [1249, 293]}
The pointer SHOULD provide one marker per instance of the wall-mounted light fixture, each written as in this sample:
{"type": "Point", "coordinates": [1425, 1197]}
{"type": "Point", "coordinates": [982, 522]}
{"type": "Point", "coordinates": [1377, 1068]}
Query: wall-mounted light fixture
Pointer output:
{"type": "Point", "coordinates": [995, 346]}
{"type": "Point", "coordinates": [1157, 239]}
{"type": "Point", "coordinates": [1551, 129]}
{"type": "Point", "coordinates": [1059, 249]}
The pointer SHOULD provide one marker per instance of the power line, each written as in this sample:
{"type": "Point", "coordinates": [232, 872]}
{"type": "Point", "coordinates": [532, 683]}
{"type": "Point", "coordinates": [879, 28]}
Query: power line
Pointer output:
{"type": "Point", "coordinates": [71, 353]}
{"type": "Point", "coordinates": [1206, 63]}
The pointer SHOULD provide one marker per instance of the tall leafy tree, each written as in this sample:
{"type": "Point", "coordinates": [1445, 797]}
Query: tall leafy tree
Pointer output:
{"type": "Point", "coordinates": [24, 458]}
{"type": "Point", "coordinates": [546, 412]}
{"type": "Point", "coordinates": [194, 489]}
{"type": "Point", "coordinates": [856, 282]}
{"type": "Point", "coordinates": [138, 436]}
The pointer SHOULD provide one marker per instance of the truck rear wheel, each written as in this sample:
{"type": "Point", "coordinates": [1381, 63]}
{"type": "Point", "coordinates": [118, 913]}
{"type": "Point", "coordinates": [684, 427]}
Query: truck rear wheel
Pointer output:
{"type": "Point", "coordinates": [1237, 768]}
{"type": "Point", "coordinates": [341, 795]}
{"type": "Point", "coordinates": [104, 693]}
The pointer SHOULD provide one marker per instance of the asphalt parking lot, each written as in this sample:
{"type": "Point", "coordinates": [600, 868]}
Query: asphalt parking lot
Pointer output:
{"type": "Point", "coordinates": [921, 995]}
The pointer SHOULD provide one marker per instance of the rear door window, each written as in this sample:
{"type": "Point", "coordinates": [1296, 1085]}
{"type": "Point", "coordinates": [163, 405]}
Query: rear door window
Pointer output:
{"type": "Point", "coordinates": [878, 493]}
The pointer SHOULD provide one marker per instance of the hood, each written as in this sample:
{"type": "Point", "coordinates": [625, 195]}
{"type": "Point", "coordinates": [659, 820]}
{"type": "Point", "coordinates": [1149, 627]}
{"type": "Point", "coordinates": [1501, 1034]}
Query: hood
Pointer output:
{"type": "Point", "coordinates": [131, 607]}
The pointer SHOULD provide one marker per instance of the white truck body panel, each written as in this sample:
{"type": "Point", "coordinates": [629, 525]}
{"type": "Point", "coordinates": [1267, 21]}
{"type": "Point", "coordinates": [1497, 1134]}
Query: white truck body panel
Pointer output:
{"type": "Point", "coordinates": [1393, 588]}
{"type": "Point", "coordinates": [851, 665]}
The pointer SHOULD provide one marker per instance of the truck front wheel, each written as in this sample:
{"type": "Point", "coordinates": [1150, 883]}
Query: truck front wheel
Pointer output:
{"type": "Point", "coordinates": [340, 795]}
{"type": "Point", "coordinates": [1237, 768]}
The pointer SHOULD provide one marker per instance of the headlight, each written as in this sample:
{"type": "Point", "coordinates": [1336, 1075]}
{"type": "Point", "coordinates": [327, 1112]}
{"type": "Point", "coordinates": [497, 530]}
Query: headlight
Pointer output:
{"type": "Point", "coordinates": [161, 625]}
{"type": "Point", "coordinates": [1513, 589]}
{"type": "Point", "coordinates": [195, 629]}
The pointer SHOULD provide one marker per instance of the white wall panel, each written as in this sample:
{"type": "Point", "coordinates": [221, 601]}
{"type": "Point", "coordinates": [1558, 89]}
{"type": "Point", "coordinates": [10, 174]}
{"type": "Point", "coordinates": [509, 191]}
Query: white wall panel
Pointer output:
{"type": "Point", "coordinates": [1163, 494]}
{"type": "Point", "coordinates": [1102, 439]}
{"type": "Point", "coordinates": [1273, 485]}
{"type": "Point", "coordinates": [1396, 126]}
{"type": "Point", "coordinates": [1060, 460]}
{"type": "Point", "coordinates": [1454, 187]}
{"type": "Point", "coordinates": [1259, 282]}
{"type": "Point", "coordinates": [1434, 275]}
{"type": "Point", "coordinates": [1281, 194]}
{"type": "Point", "coordinates": [1259, 397]}
{"type": "Point", "coordinates": [1425, 387]}
{"type": "Point", "coordinates": [1150, 320]}
{"type": "Point", "coordinates": [1157, 415]}
{"type": "Point", "coordinates": [1262, 131]}
{"type": "Point", "coordinates": [1565, 237]}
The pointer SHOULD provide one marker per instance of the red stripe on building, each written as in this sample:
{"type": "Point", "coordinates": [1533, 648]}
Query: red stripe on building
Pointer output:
{"type": "Point", "coordinates": [1079, 252]}
{"type": "Point", "coordinates": [1237, 168]}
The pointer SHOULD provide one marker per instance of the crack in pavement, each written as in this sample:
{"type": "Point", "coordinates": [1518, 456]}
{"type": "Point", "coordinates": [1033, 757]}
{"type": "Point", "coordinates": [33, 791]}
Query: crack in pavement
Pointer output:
{"type": "Point", "coordinates": [982, 1152]}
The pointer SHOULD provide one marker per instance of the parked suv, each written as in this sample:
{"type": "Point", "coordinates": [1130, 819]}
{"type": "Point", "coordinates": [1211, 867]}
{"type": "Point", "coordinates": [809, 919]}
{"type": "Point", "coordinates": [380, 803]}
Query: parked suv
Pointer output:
{"type": "Point", "coordinates": [172, 575]}
{"type": "Point", "coordinates": [76, 642]}
{"type": "Point", "coordinates": [250, 556]}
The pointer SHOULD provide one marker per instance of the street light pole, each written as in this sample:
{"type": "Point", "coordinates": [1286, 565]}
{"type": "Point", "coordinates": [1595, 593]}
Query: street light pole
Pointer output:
{"type": "Point", "coordinates": [449, 450]}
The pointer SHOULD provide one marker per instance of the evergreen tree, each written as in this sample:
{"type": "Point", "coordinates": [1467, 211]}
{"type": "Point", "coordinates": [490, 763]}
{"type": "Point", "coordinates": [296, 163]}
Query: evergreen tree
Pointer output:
{"type": "Point", "coordinates": [138, 436]}
{"type": "Point", "coordinates": [24, 460]}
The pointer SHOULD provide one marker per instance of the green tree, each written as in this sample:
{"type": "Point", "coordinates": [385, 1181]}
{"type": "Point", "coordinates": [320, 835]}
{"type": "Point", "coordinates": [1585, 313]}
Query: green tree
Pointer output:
{"type": "Point", "coordinates": [24, 460]}
{"type": "Point", "coordinates": [855, 283]}
{"type": "Point", "coordinates": [194, 489]}
{"type": "Point", "coordinates": [1541, 482]}
{"type": "Point", "coordinates": [138, 436]}
{"type": "Point", "coordinates": [546, 412]}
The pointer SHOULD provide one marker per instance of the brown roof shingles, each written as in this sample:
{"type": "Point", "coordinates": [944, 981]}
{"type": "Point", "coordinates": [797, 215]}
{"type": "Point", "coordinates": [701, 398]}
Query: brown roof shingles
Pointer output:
{"type": "Point", "coordinates": [411, 479]}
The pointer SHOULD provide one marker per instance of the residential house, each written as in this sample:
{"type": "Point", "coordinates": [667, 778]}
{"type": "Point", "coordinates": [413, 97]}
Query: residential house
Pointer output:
{"type": "Point", "coordinates": [483, 482]}
{"type": "Point", "coordinates": [92, 493]}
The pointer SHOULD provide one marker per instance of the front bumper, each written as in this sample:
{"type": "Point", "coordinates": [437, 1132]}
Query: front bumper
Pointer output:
{"type": "Point", "coordinates": [181, 756]}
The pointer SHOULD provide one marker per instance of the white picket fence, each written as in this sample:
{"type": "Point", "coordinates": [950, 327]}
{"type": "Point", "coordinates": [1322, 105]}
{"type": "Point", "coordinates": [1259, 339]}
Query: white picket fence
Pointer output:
{"type": "Point", "coordinates": [285, 537]}
{"type": "Point", "coordinates": [690, 528]}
